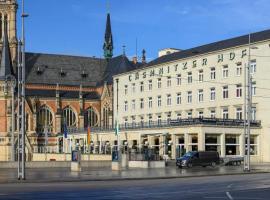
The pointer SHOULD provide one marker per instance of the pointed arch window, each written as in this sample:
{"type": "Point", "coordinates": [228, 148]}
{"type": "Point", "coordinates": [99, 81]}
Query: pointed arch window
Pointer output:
{"type": "Point", "coordinates": [1, 26]}
{"type": "Point", "coordinates": [44, 120]}
{"type": "Point", "coordinates": [69, 117]}
{"type": "Point", "coordinates": [106, 113]}
{"type": "Point", "coordinates": [90, 117]}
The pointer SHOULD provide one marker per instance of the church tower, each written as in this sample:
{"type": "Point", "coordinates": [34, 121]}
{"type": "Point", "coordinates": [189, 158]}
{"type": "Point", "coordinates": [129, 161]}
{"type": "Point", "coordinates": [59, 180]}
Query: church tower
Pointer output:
{"type": "Point", "coordinates": [8, 12]}
{"type": "Point", "coordinates": [108, 42]}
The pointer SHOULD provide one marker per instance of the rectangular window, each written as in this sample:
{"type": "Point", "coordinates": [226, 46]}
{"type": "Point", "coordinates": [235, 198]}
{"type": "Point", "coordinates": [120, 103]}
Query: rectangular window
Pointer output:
{"type": "Point", "coordinates": [200, 114]}
{"type": "Point", "coordinates": [200, 75]}
{"type": "Point", "coordinates": [150, 102]}
{"type": "Point", "coordinates": [126, 123]}
{"type": "Point", "coordinates": [225, 71]}
{"type": "Point", "coordinates": [253, 88]}
{"type": "Point", "coordinates": [213, 94]}
{"type": "Point", "coordinates": [141, 104]}
{"type": "Point", "coordinates": [253, 113]}
{"type": "Point", "coordinates": [126, 106]}
{"type": "Point", "coordinates": [238, 90]}
{"type": "Point", "coordinates": [189, 97]}
{"type": "Point", "coordinates": [213, 73]}
{"type": "Point", "coordinates": [238, 70]}
{"type": "Point", "coordinates": [213, 143]}
{"type": "Point", "coordinates": [150, 85]}
{"type": "Point", "coordinates": [141, 87]}
{"type": "Point", "coordinates": [253, 66]}
{"type": "Point", "coordinates": [225, 113]}
{"type": "Point", "coordinates": [189, 77]}
{"type": "Point", "coordinates": [200, 95]}
{"type": "Point", "coordinates": [142, 121]}
{"type": "Point", "coordinates": [150, 120]}
{"type": "Point", "coordinates": [133, 87]}
{"type": "Point", "coordinates": [178, 99]}
{"type": "Point", "coordinates": [168, 118]}
{"type": "Point", "coordinates": [239, 113]}
{"type": "Point", "coordinates": [225, 92]}
{"type": "Point", "coordinates": [126, 89]}
{"type": "Point", "coordinates": [159, 101]}
{"type": "Point", "coordinates": [169, 100]}
{"type": "Point", "coordinates": [133, 119]}
{"type": "Point", "coordinates": [159, 120]}
{"type": "Point", "coordinates": [159, 82]}
{"type": "Point", "coordinates": [179, 79]}
{"type": "Point", "coordinates": [169, 81]}
{"type": "Point", "coordinates": [133, 104]}
{"type": "Point", "coordinates": [213, 113]}
{"type": "Point", "coordinates": [189, 114]}
{"type": "Point", "coordinates": [232, 145]}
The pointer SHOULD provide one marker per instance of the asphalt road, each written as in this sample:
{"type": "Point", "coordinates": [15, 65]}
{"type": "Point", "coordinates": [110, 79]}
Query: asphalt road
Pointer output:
{"type": "Point", "coordinates": [246, 187]}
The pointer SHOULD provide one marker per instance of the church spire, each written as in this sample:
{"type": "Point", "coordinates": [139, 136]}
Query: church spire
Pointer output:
{"type": "Point", "coordinates": [6, 64]}
{"type": "Point", "coordinates": [108, 43]}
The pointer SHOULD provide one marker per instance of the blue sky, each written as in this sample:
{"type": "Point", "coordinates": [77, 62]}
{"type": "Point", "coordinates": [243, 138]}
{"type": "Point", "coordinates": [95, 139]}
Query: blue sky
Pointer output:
{"type": "Point", "coordinates": [76, 27]}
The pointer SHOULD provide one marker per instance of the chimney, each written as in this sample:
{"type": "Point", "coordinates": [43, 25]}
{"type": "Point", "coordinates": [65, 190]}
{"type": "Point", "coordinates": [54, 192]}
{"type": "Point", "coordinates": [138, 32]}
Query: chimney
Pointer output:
{"type": "Point", "coordinates": [134, 60]}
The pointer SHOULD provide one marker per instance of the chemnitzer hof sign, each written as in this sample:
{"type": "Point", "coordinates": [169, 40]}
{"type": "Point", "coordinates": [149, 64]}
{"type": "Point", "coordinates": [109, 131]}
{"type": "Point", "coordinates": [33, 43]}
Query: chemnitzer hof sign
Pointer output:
{"type": "Point", "coordinates": [184, 66]}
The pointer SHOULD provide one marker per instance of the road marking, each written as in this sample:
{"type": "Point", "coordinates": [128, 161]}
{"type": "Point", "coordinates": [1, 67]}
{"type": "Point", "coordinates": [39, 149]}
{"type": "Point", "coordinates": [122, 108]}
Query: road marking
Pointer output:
{"type": "Point", "coordinates": [229, 195]}
{"type": "Point", "coordinates": [229, 186]}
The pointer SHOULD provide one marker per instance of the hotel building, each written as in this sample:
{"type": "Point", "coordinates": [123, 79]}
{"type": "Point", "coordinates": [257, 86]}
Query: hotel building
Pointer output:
{"type": "Point", "coordinates": [195, 99]}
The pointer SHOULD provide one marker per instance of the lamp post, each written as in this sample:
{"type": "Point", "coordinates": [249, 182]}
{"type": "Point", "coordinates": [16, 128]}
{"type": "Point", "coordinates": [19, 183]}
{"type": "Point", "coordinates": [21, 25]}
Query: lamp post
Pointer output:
{"type": "Point", "coordinates": [13, 85]}
{"type": "Point", "coordinates": [21, 100]}
{"type": "Point", "coordinates": [248, 108]}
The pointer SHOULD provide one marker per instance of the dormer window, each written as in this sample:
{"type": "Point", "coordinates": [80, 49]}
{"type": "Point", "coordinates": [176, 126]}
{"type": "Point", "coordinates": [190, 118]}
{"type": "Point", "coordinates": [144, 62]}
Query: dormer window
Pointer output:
{"type": "Point", "coordinates": [62, 73]}
{"type": "Point", "coordinates": [84, 74]}
{"type": "Point", "coordinates": [39, 71]}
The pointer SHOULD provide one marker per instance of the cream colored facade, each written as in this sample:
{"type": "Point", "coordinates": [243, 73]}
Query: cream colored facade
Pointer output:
{"type": "Point", "coordinates": [142, 86]}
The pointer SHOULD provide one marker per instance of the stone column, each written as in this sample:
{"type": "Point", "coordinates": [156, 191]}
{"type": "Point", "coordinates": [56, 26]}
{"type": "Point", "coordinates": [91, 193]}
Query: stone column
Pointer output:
{"type": "Point", "coordinates": [201, 141]}
{"type": "Point", "coordinates": [187, 147]}
{"type": "Point", "coordinates": [242, 142]}
{"type": "Point", "coordinates": [222, 145]}
{"type": "Point", "coordinates": [173, 138]}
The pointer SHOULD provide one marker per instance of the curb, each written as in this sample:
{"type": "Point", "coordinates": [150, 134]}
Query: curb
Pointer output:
{"type": "Point", "coordinates": [68, 180]}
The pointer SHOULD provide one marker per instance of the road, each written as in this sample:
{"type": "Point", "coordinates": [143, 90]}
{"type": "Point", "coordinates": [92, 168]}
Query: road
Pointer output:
{"type": "Point", "coordinates": [247, 187]}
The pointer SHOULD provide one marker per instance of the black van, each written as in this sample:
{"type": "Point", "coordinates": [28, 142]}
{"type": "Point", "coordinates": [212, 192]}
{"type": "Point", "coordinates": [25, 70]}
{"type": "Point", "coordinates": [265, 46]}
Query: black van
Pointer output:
{"type": "Point", "coordinates": [198, 158]}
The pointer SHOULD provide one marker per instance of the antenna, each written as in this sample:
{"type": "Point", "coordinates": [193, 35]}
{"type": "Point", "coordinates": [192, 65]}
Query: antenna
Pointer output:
{"type": "Point", "coordinates": [136, 47]}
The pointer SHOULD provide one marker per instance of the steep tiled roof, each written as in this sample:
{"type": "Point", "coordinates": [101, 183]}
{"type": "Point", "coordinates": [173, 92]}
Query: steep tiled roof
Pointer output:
{"type": "Point", "coordinates": [224, 44]}
{"type": "Point", "coordinates": [73, 70]}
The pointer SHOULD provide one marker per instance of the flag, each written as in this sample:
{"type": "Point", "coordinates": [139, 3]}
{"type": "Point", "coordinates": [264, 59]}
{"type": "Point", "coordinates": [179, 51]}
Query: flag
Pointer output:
{"type": "Point", "coordinates": [46, 135]}
{"type": "Point", "coordinates": [116, 127]}
{"type": "Point", "coordinates": [88, 135]}
{"type": "Point", "coordinates": [65, 130]}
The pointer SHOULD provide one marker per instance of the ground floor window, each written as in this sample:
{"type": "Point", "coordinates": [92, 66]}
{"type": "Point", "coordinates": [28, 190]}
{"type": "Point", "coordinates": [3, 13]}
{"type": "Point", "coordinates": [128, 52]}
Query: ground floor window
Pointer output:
{"type": "Point", "coordinates": [180, 146]}
{"type": "Point", "coordinates": [193, 142]}
{"type": "Point", "coordinates": [232, 145]}
{"type": "Point", "coordinates": [253, 145]}
{"type": "Point", "coordinates": [212, 143]}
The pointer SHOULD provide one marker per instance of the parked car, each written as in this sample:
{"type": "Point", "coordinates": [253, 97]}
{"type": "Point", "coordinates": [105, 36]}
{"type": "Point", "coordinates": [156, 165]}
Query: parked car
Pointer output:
{"type": "Point", "coordinates": [198, 158]}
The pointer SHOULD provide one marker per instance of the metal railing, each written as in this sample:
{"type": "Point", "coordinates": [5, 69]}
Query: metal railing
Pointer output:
{"type": "Point", "coordinates": [171, 123]}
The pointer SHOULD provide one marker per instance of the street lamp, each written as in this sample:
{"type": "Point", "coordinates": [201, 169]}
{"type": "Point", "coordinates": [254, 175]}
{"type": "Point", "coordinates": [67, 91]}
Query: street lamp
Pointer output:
{"type": "Point", "coordinates": [21, 100]}
{"type": "Point", "coordinates": [13, 85]}
{"type": "Point", "coordinates": [248, 108]}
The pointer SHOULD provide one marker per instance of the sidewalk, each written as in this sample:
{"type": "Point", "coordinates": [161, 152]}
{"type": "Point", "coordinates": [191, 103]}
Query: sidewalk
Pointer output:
{"type": "Point", "coordinates": [106, 174]}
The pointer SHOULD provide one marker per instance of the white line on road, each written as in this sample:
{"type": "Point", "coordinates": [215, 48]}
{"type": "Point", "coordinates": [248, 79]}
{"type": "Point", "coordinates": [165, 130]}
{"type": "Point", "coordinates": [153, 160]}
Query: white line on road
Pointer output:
{"type": "Point", "coordinates": [229, 195]}
{"type": "Point", "coordinates": [229, 186]}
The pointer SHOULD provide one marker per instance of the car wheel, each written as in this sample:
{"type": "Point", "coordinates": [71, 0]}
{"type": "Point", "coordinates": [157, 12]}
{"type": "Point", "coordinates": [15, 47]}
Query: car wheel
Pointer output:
{"type": "Point", "coordinates": [213, 164]}
{"type": "Point", "coordinates": [189, 165]}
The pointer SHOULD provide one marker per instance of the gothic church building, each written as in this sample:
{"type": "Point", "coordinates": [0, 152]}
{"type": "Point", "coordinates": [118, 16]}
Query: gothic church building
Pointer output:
{"type": "Point", "coordinates": [60, 90]}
